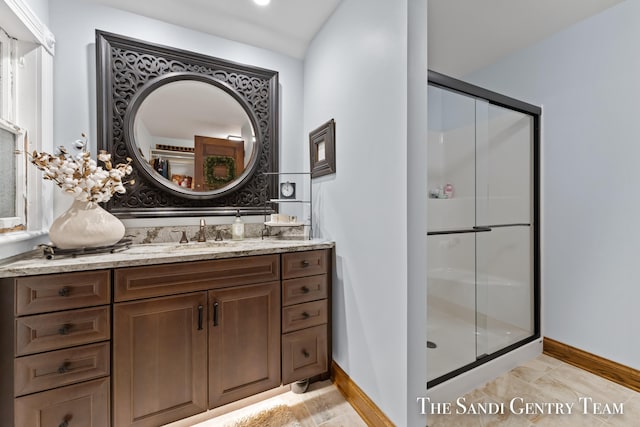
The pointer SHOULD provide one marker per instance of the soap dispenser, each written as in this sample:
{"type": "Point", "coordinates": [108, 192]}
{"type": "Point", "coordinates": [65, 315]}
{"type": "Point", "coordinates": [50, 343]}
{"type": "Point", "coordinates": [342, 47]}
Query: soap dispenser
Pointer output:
{"type": "Point", "coordinates": [237, 228]}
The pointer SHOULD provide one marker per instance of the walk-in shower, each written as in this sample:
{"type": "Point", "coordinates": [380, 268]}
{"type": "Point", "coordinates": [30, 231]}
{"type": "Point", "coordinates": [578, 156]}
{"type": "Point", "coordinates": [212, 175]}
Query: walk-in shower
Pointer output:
{"type": "Point", "coordinates": [483, 242]}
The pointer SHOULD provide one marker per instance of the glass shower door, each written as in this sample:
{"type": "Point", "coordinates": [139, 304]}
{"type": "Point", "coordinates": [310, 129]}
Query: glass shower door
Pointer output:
{"type": "Point", "coordinates": [504, 203]}
{"type": "Point", "coordinates": [451, 311]}
{"type": "Point", "coordinates": [480, 290]}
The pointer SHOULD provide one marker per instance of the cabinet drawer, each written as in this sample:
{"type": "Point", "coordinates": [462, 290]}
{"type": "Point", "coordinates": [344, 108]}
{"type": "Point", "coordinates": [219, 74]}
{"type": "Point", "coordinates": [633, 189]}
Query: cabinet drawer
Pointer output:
{"type": "Point", "coordinates": [62, 367]}
{"type": "Point", "coordinates": [161, 280]}
{"type": "Point", "coordinates": [44, 332]}
{"type": "Point", "coordinates": [304, 354]}
{"type": "Point", "coordinates": [296, 291]}
{"type": "Point", "coordinates": [55, 292]}
{"type": "Point", "coordinates": [85, 404]}
{"type": "Point", "coordinates": [301, 264]}
{"type": "Point", "coordinates": [304, 315]}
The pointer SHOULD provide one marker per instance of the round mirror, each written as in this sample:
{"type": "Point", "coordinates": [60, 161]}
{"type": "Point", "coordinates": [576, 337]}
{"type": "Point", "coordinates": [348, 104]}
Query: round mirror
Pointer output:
{"type": "Point", "coordinates": [192, 135]}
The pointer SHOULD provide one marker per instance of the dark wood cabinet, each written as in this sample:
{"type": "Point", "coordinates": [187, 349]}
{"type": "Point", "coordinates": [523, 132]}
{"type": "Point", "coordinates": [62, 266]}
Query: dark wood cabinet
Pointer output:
{"type": "Point", "coordinates": [159, 359]}
{"type": "Point", "coordinates": [304, 264]}
{"type": "Point", "coordinates": [306, 312]}
{"type": "Point", "coordinates": [167, 279]}
{"type": "Point", "coordinates": [304, 354]}
{"type": "Point", "coordinates": [150, 345]}
{"type": "Point", "coordinates": [55, 292]}
{"type": "Point", "coordinates": [53, 369]}
{"type": "Point", "coordinates": [55, 359]}
{"type": "Point", "coordinates": [51, 331]}
{"type": "Point", "coordinates": [85, 404]}
{"type": "Point", "coordinates": [176, 356]}
{"type": "Point", "coordinates": [244, 342]}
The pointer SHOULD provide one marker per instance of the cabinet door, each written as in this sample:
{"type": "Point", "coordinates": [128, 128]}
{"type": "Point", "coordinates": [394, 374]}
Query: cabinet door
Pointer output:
{"type": "Point", "coordinates": [159, 360]}
{"type": "Point", "coordinates": [244, 342]}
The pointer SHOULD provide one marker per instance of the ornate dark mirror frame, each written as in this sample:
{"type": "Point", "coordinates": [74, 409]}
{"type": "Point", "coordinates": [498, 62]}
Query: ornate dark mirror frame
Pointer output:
{"type": "Point", "coordinates": [127, 71]}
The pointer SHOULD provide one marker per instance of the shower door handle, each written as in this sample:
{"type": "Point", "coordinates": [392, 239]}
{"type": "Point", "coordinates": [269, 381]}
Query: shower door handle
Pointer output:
{"type": "Point", "coordinates": [460, 231]}
{"type": "Point", "coordinates": [515, 224]}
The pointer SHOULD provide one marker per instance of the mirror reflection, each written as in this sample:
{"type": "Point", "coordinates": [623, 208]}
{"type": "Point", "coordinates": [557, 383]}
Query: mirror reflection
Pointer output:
{"type": "Point", "coordinates": [194, 135]}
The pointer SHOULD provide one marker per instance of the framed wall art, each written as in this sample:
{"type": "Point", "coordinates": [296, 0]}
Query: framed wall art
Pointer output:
{"type": "Point", "coordinates": [322, 149]}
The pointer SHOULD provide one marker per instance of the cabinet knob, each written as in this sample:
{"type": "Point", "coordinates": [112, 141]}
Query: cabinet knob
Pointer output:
{"type": "Point", "coordinates": [305, 353]}
{"type": "Point", "coordinates": [64, 368]}
{"type": "Point", "coordinates": [64, 330]}
{"type": "Point", "coordinates": [305, 263]}
{"type": "Point", "coordinates": [65, 421]}
{"type": "Point", "coordinates": [305, 290]}
{"type": "Point", "coordinates": [64, 292]}
{"type": "Point", "coordinates": [305, 315]}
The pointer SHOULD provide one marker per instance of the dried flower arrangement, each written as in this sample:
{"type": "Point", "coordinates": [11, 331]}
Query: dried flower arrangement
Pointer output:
{"type": "Point", "coordinates": [80, 175]}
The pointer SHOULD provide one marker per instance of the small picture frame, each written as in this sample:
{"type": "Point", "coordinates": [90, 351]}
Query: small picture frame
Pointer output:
{"type": "Point", "coordinates": [322, 149]}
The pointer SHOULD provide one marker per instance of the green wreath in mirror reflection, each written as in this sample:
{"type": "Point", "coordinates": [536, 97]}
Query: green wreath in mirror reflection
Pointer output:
{"type": "Point", "coordinates": [211, 162]}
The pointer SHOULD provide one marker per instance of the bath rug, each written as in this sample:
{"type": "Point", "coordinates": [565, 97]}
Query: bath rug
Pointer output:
{"type": "Point", "coordinates": [278, 416]}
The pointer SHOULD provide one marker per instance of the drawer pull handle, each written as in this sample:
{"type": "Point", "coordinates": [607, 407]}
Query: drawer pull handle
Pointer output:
{"type": "Point", "coordinates": [305, 263]}
{"type": "Point", "coordinates": [305, 353]}
{"type": "Point", "coordinates": [215, 313]}
{"type": "Point", "coordinates": [305, 315]}
{"type": "Point", "coordinates": [200, 315]}
{"type": "Point", "coordinates": [64, 292]}
{"type": "Point", "coordinates": [64, 368]}
{"type": "Point", "coordinates": [65, 421]}
{"type": "Point", "coordinates": [64, 330]}
{"type": "Point", "coordinates": [305, 290]}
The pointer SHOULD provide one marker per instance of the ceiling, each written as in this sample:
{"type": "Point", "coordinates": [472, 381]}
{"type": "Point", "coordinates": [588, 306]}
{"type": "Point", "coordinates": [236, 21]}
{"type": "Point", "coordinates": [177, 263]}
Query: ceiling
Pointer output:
{"type": "Point", "coordinates": [465, 35]}
{"type": "Point", "coordinates": [285, 26]}
{"type": "Point", "coordinates": [182, 109]}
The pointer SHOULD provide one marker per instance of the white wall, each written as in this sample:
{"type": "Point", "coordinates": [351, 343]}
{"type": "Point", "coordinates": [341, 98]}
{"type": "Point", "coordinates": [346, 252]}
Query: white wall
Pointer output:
{"type": "Point", "coordinates": [356, 72]}
{"type": "Point", "coordinates": [74, 23]}
{"type": "Point", "coordinates": [586, 77]}
{"type": "Point", "coordinates": [41, 9]}
{"type": "Point", "coordinates": [417, 136]}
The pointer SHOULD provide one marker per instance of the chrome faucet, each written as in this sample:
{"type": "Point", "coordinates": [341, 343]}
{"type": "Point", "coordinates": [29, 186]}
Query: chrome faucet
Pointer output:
{"type": "Point", "coordinates": [202, 235]}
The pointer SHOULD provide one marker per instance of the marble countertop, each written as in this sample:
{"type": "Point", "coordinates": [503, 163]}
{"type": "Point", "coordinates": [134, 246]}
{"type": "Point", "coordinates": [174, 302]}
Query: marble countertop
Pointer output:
{"type": "Point", "coordinates": [157, 253]}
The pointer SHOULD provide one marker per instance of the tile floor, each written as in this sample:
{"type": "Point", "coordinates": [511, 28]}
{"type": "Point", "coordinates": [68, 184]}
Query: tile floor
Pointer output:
{"type": "Point", "coordinates": [321, 406]}
{"type": "Point", "coordinates": [547, 380]}
{"type": "Point", "coordinates": [542, 380]}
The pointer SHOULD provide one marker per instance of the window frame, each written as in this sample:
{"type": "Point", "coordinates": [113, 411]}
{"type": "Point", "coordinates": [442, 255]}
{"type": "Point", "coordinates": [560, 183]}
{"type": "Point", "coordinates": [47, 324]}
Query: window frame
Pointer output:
{"type": "Point", "coordinates": [20, 218]}
{"type": "Point", "coordinates": [26, 110]}
{"type": "Point", "coordinates": [8, 76]}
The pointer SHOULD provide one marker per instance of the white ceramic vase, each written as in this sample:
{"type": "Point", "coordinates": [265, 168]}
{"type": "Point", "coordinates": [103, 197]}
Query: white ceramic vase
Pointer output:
{"type": "Point", "coordinates": [85, 225]}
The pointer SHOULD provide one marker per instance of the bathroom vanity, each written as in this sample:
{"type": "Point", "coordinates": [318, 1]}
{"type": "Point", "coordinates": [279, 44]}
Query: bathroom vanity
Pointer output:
{"type": "Point", "coordinates": [158, 333]}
